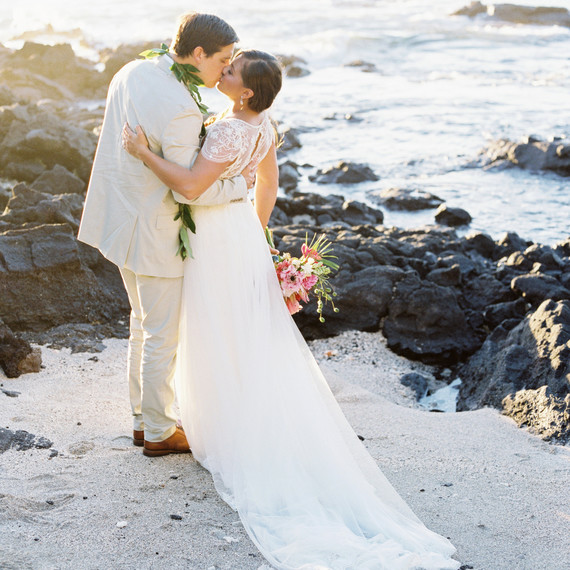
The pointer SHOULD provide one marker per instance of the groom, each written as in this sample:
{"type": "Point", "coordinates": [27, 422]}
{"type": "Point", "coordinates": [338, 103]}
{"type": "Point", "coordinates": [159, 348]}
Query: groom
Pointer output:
{"type": "Point", "coordinates": [129, 214]}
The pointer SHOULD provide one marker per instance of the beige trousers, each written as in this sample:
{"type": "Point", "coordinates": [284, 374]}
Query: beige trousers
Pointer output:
{"type": "Point", "coordinates": [155, 315]}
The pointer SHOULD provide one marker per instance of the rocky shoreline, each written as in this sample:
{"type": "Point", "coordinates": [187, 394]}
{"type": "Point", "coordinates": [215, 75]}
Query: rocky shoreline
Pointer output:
{"type": "Point", "coordinates": [497, 312]}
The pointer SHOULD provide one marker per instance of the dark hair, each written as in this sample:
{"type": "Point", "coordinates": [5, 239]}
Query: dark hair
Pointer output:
{"type": "Point", "coordinates": [261, 73]}
{"type": "Point", "coordinates": [205, 30]}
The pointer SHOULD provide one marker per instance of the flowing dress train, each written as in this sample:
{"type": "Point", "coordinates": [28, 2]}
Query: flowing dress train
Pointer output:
{"type": "Point", "coordinates": [259, 414]}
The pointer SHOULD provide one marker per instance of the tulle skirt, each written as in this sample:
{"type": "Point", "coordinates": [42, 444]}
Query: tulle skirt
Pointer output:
{"type": "Point", "coordinates": [261, 418]}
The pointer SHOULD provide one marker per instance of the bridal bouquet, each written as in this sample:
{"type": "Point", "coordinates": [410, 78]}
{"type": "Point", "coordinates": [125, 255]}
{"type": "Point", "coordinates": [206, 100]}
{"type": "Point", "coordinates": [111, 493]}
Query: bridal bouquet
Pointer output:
{"type": "Point", "coordinates": [298, 276]}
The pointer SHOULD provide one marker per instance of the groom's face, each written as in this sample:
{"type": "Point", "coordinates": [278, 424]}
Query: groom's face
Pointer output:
{"type": "Point", "coordinates": [211, 67]}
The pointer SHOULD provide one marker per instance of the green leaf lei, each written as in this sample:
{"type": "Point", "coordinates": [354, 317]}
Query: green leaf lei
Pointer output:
{"type": "Point", "coordinates": [186, 74]}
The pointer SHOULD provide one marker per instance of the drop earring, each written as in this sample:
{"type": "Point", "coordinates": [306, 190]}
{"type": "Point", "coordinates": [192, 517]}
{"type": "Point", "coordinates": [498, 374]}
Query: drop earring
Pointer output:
{"type": "Point", "coordinates": [241, 103]}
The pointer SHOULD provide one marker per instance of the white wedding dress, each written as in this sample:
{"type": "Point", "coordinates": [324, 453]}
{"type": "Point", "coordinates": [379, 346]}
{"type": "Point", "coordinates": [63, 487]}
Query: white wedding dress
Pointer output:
{"type": "Point", "coordinates": [259, 414]}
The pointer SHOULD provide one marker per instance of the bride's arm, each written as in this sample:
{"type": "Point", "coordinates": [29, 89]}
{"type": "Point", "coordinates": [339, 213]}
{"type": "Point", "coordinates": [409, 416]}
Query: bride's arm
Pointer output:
{"type": "Point", "coordinates": [190, 183]}
{"type": "Point", "coordinates": [266, 185]}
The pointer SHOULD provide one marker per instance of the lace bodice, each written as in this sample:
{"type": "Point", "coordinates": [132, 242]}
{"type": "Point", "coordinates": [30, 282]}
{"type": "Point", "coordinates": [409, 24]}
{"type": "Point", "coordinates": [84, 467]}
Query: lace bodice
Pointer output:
{"type": "Point", "coordinates": [238, 141]}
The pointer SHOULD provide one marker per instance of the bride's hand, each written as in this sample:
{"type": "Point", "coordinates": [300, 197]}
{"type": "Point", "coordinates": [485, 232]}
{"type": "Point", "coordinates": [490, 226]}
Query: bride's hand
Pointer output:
{"type": "Point", "coordinates": [134, 142]}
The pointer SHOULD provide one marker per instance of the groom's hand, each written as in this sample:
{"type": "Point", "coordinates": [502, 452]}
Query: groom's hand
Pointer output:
{"type": "Point", "coordinates": [249, 174]}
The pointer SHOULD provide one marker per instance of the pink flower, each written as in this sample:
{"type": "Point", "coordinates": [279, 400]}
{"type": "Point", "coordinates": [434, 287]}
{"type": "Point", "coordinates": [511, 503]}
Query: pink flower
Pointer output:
{"type": "Point", "coordinates": [284, 267]}
{"type": "Point", "coordinates": [293, 304]}
{"type": "Point", "coordinates": [291, 283]}
{"type": "Point", "coordinates": [309, 282]}
{"type": "Point", "coordinates": [307, 252]}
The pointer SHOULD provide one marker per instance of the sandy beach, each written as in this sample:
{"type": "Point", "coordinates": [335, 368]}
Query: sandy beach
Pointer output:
{"type": "Point", "coordinates": [499, 493]}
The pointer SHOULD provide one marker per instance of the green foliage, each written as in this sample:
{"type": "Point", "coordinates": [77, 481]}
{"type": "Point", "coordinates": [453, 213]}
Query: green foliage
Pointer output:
{"type": "Point", "coordinates": [187, 75]}
{"type": "Point", "coordinates": [185, 216]}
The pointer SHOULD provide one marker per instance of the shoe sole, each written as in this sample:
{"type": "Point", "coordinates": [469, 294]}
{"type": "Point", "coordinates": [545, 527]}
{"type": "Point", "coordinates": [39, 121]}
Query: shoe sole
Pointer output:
{"type": "Point", "coordinates": [138, 442]}
{"type": "Point", "coordinates": [159, 452]}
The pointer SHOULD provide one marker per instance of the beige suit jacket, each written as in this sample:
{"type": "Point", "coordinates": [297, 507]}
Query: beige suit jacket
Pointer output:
{"type": "Point", "coordinates": [129, 213]}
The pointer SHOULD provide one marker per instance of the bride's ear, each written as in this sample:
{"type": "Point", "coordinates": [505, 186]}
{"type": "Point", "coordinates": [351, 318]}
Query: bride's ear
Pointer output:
{"type": "Point", "coordinates": [247, 93]}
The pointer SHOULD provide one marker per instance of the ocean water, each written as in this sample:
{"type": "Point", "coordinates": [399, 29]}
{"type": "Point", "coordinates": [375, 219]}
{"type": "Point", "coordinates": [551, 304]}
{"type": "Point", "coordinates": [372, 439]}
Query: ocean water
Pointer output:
{"type": "Point", "coordinates": [443, 87]}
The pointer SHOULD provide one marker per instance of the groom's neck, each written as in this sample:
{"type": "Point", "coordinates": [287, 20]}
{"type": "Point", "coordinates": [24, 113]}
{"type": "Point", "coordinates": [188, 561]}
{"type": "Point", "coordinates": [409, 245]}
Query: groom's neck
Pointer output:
{"type": "Point", "coordinates": [178, 59]}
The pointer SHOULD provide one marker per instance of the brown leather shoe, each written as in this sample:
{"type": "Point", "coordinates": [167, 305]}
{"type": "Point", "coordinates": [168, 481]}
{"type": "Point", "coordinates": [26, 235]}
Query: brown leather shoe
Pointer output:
{"type": "Point", "coordinates": [176, 443]}
{"type": "Point", "coordinates": [138, 437]}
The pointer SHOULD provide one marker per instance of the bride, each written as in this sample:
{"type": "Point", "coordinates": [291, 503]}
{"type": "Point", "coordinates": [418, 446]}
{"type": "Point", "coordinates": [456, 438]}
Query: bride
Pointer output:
{"type": "Point", "coordinates": [255, 407]}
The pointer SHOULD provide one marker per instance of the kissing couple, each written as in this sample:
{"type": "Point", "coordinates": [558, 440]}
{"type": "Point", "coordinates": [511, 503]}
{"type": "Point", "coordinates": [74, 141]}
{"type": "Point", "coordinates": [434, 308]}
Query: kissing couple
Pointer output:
{"type": "Point", "coordinates": [213, 332]}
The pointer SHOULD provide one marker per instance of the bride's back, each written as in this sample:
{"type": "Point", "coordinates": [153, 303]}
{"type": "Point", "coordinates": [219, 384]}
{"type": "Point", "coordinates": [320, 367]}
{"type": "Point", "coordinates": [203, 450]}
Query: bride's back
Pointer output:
{"type": "Point", "coordinates": [237, 140]}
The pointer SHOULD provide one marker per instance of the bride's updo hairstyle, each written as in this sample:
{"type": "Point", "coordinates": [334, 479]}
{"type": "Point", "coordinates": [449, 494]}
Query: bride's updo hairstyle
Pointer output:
{"type": "Point", "coordinates": [261, 73]}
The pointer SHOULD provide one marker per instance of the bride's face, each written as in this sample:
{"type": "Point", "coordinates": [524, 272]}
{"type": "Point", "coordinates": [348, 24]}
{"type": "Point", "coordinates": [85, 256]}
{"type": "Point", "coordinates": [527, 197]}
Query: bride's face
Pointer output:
{"type": "Point", "coordinates": [231, 83]}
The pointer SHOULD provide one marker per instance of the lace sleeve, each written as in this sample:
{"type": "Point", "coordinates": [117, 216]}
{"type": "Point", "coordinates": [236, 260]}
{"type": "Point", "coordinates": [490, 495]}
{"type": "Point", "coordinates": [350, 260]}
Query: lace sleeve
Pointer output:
{"type": "Point", "coordinates": [223, 142]}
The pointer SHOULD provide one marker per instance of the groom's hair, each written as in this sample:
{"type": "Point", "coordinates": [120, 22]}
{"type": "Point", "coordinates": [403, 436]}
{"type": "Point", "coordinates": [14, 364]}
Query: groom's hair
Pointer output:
{"type": "Point", "coordinates": [205, 30]}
